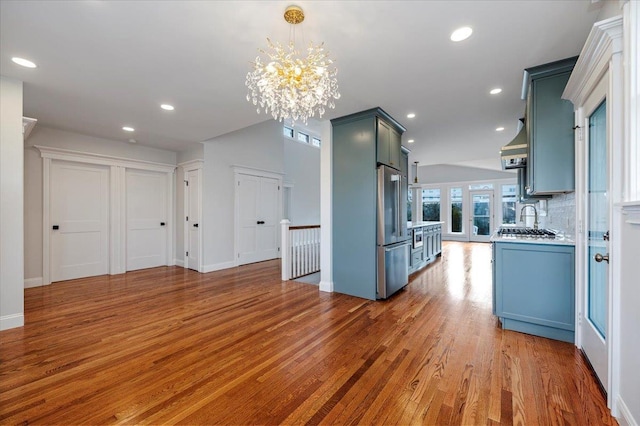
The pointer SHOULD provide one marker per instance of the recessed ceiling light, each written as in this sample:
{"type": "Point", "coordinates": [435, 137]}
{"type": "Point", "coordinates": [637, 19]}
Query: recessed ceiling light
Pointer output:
{"type": "Point", "coordinates": [499, 129]}
{"type": "Point", "coordinates": [461, 34]}
{"type": "Point", "coordinates": [167, 107]}
{"type": "Point", "coordinates": [411, 141]}
{"type": "Point", "coordinates": [495, 91]}
{"type": "Point", "coordinates": [411, 115]}
{"type": "Point", "coordinates": [128, 129]}
{"type": "Point", "coordinates": [24, 62]}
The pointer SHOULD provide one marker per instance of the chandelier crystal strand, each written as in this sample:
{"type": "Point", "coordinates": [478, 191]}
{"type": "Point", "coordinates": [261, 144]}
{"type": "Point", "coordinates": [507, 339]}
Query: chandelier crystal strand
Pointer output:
{"type": "Point", "coordinates": [290, 86]}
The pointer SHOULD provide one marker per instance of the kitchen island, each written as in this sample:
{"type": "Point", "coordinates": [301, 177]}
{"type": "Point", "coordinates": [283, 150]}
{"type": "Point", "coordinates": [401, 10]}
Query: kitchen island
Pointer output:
{"type": "Point", "coordinates": [427, 243]}
{"type": "Point", "coordinates": [534, 285]}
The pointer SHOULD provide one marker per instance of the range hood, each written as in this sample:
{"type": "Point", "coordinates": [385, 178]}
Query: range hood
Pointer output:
{"type": "Point", "coordinates": [514, 154]}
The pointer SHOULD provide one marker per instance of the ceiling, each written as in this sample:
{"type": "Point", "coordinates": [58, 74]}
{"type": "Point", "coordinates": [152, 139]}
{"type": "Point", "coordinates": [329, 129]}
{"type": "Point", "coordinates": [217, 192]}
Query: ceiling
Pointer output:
{"type": "Point", "coordinates": [106, 64]}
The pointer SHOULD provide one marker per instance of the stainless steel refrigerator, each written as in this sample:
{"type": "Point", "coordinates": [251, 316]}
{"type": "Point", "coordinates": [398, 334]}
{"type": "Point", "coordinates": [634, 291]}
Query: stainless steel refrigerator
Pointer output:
{"type": "Point", "coordinates": [394, 243]}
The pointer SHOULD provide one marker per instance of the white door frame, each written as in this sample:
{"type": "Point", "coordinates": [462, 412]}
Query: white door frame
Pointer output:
{"type": "Point", "coordinates": [117, 202]}
{"type": "Point", "coordinates": [191, 166]}
{"type": "Point", "coordinates": [238, 170]}
{"type": "Point", "coordinates": [602, 55]}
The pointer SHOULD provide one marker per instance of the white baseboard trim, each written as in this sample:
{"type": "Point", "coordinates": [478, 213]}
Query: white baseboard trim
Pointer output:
{"type": "Point", "coordinates": [178, 262]}
{"type": "Point", "coordinates": [33, 282]}
{"type": "Point", "coordinates": [626, 418]}
{"type": "Point", "coordinates": [218, 266]}
{"type": "Point", "coordinates": [326, 286]}
{"type": "Point", "coordinates": [11, 321]}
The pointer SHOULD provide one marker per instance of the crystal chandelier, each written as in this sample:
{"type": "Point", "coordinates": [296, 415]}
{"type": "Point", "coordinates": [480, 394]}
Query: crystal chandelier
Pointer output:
{"type": "Point", "coordinates": [290, 86]}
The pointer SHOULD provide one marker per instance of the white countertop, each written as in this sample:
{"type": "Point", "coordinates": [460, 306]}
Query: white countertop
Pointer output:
{"type": "Point", "coordinates": [558, 241]}
{"type": "Point", "coordinates": [411, 225]}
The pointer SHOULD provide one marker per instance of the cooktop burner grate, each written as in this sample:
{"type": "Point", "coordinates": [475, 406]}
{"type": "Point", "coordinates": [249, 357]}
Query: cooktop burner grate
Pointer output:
{"type": "Point", "coordinates": [526, 232]}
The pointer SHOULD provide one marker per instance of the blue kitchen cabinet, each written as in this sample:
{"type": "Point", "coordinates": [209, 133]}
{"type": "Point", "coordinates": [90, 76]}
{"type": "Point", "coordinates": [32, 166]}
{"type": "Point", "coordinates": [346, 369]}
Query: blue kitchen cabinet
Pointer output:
{"type": "Point", "coordinates": [389, 145]}
{"type": "Point", "coordinates": [355, 155]}
{"type": "Point", "coordinates": [549, 123]}
{"type": "Point", "coordinates": [534, 288]}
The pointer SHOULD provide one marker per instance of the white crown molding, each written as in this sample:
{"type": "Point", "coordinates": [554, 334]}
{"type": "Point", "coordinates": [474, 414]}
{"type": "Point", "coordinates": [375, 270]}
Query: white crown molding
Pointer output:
{"type": "Point", "coordinates": [605, 40]}
{"type": "Point", "coordinates": [632, 211]}
{"type": "Point", "coordinates": [27, 126]}
{"type": "Point", "coordinates": [191, 164]}
{"type": "Point", "coordinates": [105, 160]}
{"type": "Point", "coordinates": [257, 172]}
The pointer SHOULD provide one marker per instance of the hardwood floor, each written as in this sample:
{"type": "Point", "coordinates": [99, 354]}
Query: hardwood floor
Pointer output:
{"type": "Point", "coordinates": [171, 346]}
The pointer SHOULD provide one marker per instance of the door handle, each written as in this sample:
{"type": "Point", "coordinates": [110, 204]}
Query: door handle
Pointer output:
{"type": "Point", "coordinates": [599, 257]}
{"type": "Point", "coordinates": [161, 223]}
{"type": "Point", "coordinates": [260, 222]}
{"type": "Point", "coordinates": [195, 225]}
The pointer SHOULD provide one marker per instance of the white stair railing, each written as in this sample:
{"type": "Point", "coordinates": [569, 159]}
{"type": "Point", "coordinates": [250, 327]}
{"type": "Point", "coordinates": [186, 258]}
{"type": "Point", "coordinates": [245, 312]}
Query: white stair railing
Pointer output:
{"type": "Point", "coordinates": [300, 250]}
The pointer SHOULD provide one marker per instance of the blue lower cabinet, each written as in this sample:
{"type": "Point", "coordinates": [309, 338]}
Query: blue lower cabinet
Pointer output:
{"type": "Point", "coordinates": [534, 289]}
{"type": "Point", "coordinates": [430, 250]}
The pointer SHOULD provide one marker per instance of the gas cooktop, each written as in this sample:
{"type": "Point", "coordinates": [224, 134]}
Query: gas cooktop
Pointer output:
{"type": "Point", "coordinates": [516, 232]}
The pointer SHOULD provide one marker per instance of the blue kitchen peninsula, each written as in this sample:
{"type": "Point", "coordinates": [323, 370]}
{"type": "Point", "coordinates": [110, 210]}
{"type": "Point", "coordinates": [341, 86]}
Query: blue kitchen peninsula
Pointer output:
{"type": "Point", "coordinates": [427, 243]}
{"type": "Point", "coordinates": [534, 286]}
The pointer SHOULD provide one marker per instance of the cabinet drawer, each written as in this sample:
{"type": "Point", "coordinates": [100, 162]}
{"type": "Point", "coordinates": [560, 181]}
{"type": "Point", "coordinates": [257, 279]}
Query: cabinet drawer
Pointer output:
{"type": "Point", "coordinates": [417, 257]}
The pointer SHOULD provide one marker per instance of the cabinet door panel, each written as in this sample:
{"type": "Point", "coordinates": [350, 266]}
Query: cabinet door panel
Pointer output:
{"type": "Point", "coordinates": [383, 143]}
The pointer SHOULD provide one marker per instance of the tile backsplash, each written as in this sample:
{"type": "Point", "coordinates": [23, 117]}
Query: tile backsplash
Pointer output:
{"type": "Point", "coordinates": [561, 213]}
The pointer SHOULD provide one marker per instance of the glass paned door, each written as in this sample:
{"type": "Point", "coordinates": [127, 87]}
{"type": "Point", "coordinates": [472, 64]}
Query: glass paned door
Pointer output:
{"type": "Point", "coordinates": [481, 215]}
{"type": "Point", "coordinates": [593, 330]}
{"type": "Point", "coordinates": [598, 220]}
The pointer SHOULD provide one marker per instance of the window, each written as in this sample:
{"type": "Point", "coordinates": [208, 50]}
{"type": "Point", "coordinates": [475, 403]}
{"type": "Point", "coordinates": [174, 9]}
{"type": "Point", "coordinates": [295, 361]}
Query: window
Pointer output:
{"type": "Point", "coordinates": [431, 204]}
{"type": "Point", "coordinates": [315, 142]}
{"type": "Point", "coordinates": [456, 209]}
{"type": "Point", "coordinates": [288, 132]}
{"type": "Point", "coordinates": [409, 200]}
{"type": "Point", "coordinates": [509, 204]}
{"type": "Point", "coordinates": [303, 137]}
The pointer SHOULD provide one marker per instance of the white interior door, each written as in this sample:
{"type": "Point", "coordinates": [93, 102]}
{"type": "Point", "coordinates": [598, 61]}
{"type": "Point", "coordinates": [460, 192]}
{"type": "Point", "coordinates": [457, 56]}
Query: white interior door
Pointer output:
{"type": "Point", "coordinates": [79, 214]}
{"type": "Point", "coordinates": [146, 219]}
{"type": "Point", "coordinates": [257, 212]}
{"type": "Point", "coordinates": [192, 212]}
{"type": "Point", "coordinates": [480, 215]}
{"type": "Point", "coordinates": [593, 329]}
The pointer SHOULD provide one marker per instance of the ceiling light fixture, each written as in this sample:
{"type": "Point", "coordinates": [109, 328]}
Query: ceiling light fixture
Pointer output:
{"type": "Point", "coordinates": [289, 85]}
{"type": "Point", "coordinates": [23, 62]}
{"type": "Point", "coordinates": [167, 107]}
{"type": "Point", "coordinates": [461, 34]}
{"type": "Point", "coordinates": [411, 115]}
{"type": "Point", "coordinates": [495, 91]}
{"type": "Point", "coordinates": [499, 129]}
{"type": "Point", "coordinates": [410, 141]}
{"type": "Point", "coordinates": [128, 129]}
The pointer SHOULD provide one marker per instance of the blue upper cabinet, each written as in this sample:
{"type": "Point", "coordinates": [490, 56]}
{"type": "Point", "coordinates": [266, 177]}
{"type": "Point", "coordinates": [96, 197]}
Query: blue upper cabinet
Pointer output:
{"type": "Point", "coordinates": [551, 159]}
{"type": "Point", "coordinates": [389, 145]}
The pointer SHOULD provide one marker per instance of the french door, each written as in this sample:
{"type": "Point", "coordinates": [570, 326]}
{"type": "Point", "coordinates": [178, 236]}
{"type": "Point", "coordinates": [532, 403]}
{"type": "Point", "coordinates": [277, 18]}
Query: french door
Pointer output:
{"type": "Point", "coordinates": [595, 300]}
{"type": "Point", "coordinates": [480, 215]}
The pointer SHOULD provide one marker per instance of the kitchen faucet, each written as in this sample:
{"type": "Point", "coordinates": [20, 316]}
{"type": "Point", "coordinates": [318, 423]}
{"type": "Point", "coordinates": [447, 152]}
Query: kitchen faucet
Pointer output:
{"type": "Point", "coordinates": [535, 222]}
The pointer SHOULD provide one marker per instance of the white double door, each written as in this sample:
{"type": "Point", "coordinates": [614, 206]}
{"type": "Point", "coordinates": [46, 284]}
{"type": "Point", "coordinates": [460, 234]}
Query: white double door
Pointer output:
{"type": "Point", "coordinates": [258, 206]}
{"type": "Point", "coordinates": [79, 234]}
{"type": "Point", "coordinates": [80, 220]}
{"type": "Point", "coordinates": [147, 226]}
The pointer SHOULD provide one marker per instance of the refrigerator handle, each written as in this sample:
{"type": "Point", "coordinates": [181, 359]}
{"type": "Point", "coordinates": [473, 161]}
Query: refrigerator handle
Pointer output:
{"type": "Point", "coordinates": [398, 198]}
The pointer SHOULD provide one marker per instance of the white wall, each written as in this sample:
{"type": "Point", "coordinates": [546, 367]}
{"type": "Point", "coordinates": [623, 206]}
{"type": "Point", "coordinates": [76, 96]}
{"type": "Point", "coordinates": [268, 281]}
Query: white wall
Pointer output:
{"type": "Point", "coordinates": [11, 205]}
{"type": "Point", "coordinates": [302, 170]}
{"type": "Point", "coordinates": [630, 318]}
{"type": "Point", "coordinates": [259, 146]}
{"type": "Point", "coordinates": [45, 136]}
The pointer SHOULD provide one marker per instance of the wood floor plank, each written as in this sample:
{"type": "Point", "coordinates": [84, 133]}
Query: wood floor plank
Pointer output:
{"type": "Point", "coordinates": [239, 346]}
